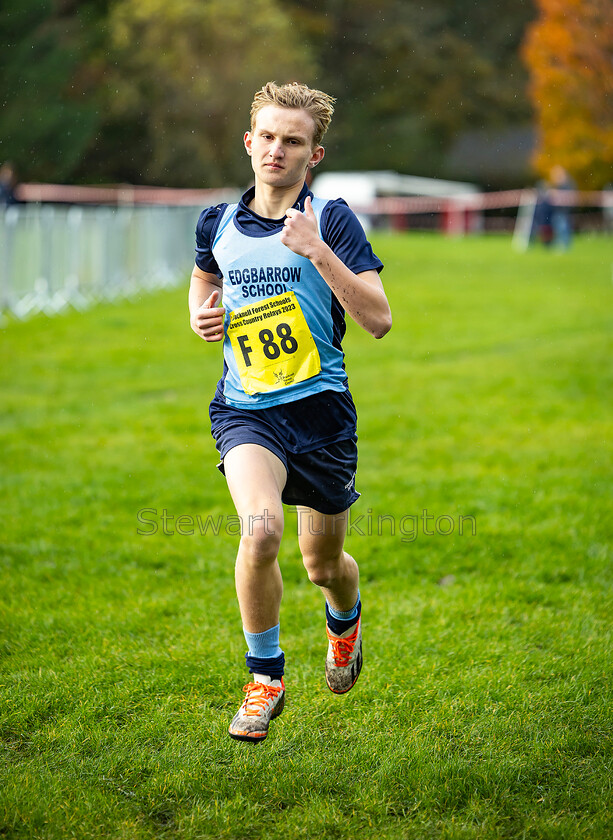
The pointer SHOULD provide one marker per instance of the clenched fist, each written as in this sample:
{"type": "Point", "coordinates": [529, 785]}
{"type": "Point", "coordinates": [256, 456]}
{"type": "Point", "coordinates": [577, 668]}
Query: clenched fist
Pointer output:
{"type": "Point", "coordinates": [207, 320]}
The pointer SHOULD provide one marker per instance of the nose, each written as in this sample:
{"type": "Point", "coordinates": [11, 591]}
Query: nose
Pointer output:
{"type": "Point", "coordinates": [276, 150]}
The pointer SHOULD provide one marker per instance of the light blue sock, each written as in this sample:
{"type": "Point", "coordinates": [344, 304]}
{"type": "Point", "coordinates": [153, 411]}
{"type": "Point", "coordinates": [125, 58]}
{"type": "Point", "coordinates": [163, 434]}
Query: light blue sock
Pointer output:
{"type": "Point", "coordinates": [264, 645]}
{"type": "Point", "coordinates": [347, 614]}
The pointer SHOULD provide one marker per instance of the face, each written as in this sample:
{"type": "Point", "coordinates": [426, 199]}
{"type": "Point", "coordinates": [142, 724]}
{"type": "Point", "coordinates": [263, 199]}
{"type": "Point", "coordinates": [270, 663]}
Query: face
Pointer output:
{"type": "Point", "coordinates": [281, 146]}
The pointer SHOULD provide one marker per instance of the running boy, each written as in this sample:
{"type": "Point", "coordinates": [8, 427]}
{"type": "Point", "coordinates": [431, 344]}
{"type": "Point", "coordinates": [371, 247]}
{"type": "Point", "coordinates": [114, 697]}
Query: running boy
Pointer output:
{"type": "Point", "coordinates": [286, 267]}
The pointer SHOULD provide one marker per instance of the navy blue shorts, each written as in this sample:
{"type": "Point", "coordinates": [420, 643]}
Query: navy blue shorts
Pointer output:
{"type": "Point", "coordinates": [322, 478]}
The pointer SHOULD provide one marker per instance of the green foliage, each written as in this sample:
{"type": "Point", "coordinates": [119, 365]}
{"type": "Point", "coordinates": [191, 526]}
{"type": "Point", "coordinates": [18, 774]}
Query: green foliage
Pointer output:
{"type": "Point", "coordinates": [484, 709]}
{"type": "Point", "coordinates": [413, 75]}
{"type": "Point", "coordinates": [47, 85]}
{"type": "Point", "coordinates": [147, 91]}
{"type": "Point", "coordinates": [188, 71]}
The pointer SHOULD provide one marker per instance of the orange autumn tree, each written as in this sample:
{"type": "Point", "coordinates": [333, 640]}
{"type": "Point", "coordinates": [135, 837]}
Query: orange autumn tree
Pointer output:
{"type": "Point", "coordinates": [569, 53]}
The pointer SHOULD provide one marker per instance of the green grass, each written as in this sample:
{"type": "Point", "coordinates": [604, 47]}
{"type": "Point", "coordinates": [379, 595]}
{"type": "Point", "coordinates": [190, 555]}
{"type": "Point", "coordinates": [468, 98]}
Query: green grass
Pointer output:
{"type": "Point", "coordinates": [484, 710]}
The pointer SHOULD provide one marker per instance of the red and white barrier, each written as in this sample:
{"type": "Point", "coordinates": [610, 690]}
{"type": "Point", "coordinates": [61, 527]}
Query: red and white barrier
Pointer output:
{"type": "Point", "coordinates": [122, 195]}
{"type": "Point", "coordinates": [386, 206]}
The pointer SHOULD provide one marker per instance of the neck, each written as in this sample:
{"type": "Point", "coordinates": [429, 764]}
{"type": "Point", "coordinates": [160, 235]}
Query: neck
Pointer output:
{"type": "Point", "coordinates": [272, 202]}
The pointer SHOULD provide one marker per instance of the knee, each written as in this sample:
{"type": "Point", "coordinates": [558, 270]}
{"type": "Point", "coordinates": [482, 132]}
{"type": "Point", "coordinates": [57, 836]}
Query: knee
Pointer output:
{"type": "Point", "coordinates": [260, 541]}
{"type": "Point", "coordinates": [322, 569]}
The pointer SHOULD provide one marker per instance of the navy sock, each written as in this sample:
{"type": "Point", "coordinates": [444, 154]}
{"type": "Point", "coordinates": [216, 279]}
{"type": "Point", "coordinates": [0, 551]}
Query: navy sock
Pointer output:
{"type": "Point", "coordinates": [264, 655]}
{"type": "Point", "coordinates": [273, 667]}
{"type": "Point", "coordinates": [339, 625]}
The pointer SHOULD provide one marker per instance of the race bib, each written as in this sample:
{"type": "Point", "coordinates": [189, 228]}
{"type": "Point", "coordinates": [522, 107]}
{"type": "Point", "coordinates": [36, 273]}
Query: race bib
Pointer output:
{"type": "Point", "coordinates": [272, 344]}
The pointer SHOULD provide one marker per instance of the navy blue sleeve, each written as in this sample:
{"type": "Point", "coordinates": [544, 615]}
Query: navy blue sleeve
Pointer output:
{"type": "Point", "coordinates": [341, 230]}
{"type": "Point", "coordinates": [205, 230]}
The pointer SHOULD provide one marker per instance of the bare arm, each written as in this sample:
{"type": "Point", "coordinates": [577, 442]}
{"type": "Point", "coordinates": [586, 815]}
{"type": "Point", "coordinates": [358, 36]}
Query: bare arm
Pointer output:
{"type": "Point", "coordinates": [361, 295]}
{"type": "Point", "coordinates": [206, 317]}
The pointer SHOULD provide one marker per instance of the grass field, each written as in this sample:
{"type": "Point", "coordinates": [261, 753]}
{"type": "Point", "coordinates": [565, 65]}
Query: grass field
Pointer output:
{"type": "Point", "coordinates": [484, 710]}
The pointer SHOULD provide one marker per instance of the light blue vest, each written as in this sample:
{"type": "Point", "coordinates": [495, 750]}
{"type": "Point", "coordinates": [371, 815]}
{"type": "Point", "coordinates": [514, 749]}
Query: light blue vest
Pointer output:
{"type": "Point", "coordinates": [258, 267]}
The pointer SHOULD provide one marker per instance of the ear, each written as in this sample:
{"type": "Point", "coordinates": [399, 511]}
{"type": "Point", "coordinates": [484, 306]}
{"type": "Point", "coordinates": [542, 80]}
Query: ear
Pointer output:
{"type": "Point", "coordinates": [247, 141]}
{"type": "Point", "coordinates": [316, 156]}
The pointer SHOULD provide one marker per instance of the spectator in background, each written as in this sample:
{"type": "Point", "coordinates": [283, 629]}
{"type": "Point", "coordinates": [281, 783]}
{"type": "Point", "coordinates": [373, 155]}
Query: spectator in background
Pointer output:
{"type": "Point", "coordinates": [8, 183]}
{"type": "Point", "coordinates": [561, 218]}
{"type": "Point", "coordinates": [607, 207]}
{"type": "Point", "coordinates": [543, 214]}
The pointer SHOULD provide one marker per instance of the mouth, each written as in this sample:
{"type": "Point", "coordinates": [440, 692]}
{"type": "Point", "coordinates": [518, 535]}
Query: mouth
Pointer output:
{"type": "Point", "coordinates": [276, 166]}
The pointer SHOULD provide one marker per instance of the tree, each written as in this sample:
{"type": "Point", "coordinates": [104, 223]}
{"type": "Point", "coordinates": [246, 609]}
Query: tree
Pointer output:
{"type": "Point", "coordinates": [47, 84]}
{"type": "Point", "coordinates": [569, 52]}
{"type": "Point", "coordinates": [410, 76]}
{"type": "Point", "coordinates": [180, 80]}
{"type": "Point", "coordinates": [151, 91]}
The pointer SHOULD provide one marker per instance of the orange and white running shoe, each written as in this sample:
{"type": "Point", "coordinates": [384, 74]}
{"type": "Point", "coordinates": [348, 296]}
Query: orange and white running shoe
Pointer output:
{"type": "Point", "coordinates": [262, 704]}
{"type": "Point", "coordinates": [344, 659]}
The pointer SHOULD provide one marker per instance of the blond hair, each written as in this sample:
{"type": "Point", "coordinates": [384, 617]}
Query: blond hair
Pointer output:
{"type": "Point", "coordinates": [295, 95]}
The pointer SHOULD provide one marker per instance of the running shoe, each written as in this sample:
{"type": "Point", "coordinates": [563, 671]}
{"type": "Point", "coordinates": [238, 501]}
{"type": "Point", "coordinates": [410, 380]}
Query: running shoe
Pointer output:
{"type": "Point", "coordinates": [262, 704]}
{"type": "Point", "coordinates": [344, 659]}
